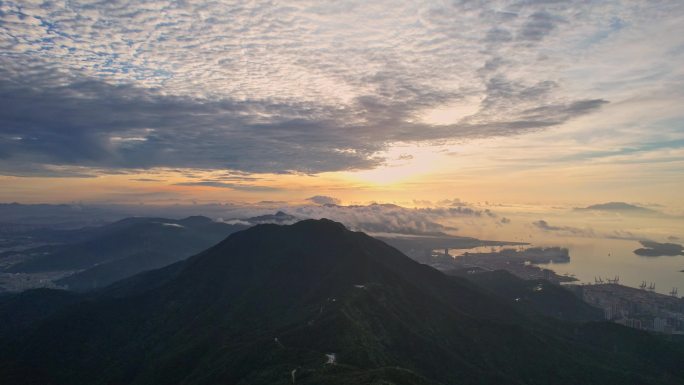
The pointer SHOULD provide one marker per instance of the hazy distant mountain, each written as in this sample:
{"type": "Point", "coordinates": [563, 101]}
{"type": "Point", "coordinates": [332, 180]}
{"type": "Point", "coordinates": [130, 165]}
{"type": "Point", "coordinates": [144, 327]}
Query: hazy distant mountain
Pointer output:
{"type": "Point", "coordinates": [279, 217]}
{"type": "Point", "coordinates": [314, 303]}
{"type": "Point", "coordinates": [618, 207]}
{"type": "Point", "coordinates": [56, 215]}
{"type": "Point", "coordinates": [127, 247]}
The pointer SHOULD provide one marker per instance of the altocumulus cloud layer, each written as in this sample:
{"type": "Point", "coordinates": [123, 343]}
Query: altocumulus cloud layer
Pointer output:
{"type": "Point", "coordinates": [261, 87]}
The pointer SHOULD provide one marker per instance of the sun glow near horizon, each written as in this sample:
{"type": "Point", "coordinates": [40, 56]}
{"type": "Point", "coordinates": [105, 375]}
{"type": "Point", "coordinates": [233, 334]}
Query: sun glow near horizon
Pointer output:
{"type": "Point", "coordinates": [539, 102]}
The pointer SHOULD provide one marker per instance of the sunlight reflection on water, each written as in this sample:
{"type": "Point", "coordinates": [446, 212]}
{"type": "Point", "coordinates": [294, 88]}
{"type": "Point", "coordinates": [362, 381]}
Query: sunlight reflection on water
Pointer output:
{"type": "Point", "coordinates": [607, 258]}
{"type": "Point", "coordinates": [592, 258]}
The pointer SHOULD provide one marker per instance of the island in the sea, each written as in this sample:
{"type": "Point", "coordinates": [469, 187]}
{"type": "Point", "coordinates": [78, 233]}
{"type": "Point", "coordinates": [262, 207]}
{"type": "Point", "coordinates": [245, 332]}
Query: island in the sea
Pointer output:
{"type": "Point", "coordinates": [656, 249]}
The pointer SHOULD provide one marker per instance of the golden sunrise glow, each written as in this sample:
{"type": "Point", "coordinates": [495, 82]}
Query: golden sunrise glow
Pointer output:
{"type": "Point", "coordinates": [577, 112]}
{"type": "Point", "coordinates": [405, 163]}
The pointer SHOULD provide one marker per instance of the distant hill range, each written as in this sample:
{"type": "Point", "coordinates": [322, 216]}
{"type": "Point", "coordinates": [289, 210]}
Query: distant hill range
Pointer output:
{"type": "Point", "coordinates": [66, 216]}
{"type": "Point", "coordinates": [112, 252]}
{"type": "Point", "coordinates": [618, 207]}
{"type": "Point", "coordinates": [280, 217]}
{"type": "Point", "coordinates": [96, 256]}
{"type": "Point", "coordinates": [314, 303]}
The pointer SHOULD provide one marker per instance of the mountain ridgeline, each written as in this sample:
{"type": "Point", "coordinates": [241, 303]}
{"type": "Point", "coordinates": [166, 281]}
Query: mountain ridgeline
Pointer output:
{"type": "Point", "coordinates": [126, 247]}
{"type": "Point", "coordinates": [315, 303]}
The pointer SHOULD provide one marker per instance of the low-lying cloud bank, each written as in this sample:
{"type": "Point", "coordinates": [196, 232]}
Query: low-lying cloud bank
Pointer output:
{"type": "Point", "coordinates": [452, 217]}
{"type": "Point", "coordinates": [587, 232]}
{"type": "Point", "coordinates": [372, 218]}
{"type": "Point", "coordinates": [323, 200]}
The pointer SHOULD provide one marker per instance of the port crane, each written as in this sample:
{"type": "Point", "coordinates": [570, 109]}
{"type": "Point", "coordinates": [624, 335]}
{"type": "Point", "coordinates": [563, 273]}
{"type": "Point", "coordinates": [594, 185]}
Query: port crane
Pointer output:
{"type": "Point", "coordinates": [643, 285]}
{"type": "Point", "coordinates": [651, 287]}
{"type": "Point", "coordinates": [614, 281]}
{"type": "Point", "coordinates": [674, 292]}
{"type": "Point", "coordinates": [598, 281]}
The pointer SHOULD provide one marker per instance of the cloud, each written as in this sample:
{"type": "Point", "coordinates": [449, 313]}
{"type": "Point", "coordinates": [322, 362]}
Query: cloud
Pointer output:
{"type": "Point", "coordinates": [266, 87]}
{"type": "Point", "coordinates": [568, 230]}
{"type": "Point", "coordinates": [456, 202]}
{"type": "Point", "coordinates": [498, 35]}
{"type": "Point", "coordinates": [395, 219]}
{"type": "Point", "coordinates": [587, 232]}
{"type": "Point", "coordinates": [538, 26]}
{"type": "Point", "coordinates": [323, 200]}
{"type": "Point", "coordinates": [23, 169]}
{"type": "Point", "coordinates": [236, 222]}
{"type": "Point", "coordinates": [458, 211]}
{"type": "Point", "coordinates": [81, 125]}
{"type": "Point", "coordinates": [624, 235]}
{"type": "Point", "coordinates": [384, 219]}
{"type": "Point", "coordinates": [232, 186]}
{"type": "Point", "coordinates": [146, 180]}
{"type": "Point", "coordinates": [377, 218]}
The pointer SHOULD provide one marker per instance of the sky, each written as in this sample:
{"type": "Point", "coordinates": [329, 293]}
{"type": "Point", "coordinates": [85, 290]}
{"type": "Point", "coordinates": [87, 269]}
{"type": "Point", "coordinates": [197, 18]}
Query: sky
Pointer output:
{"type": "Point", "coordinates": [527, 102]}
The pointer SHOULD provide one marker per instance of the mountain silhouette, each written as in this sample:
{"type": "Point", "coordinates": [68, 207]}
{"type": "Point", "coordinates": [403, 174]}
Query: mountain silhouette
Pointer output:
{"type": "Point", "coordinates": [315, 303]}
